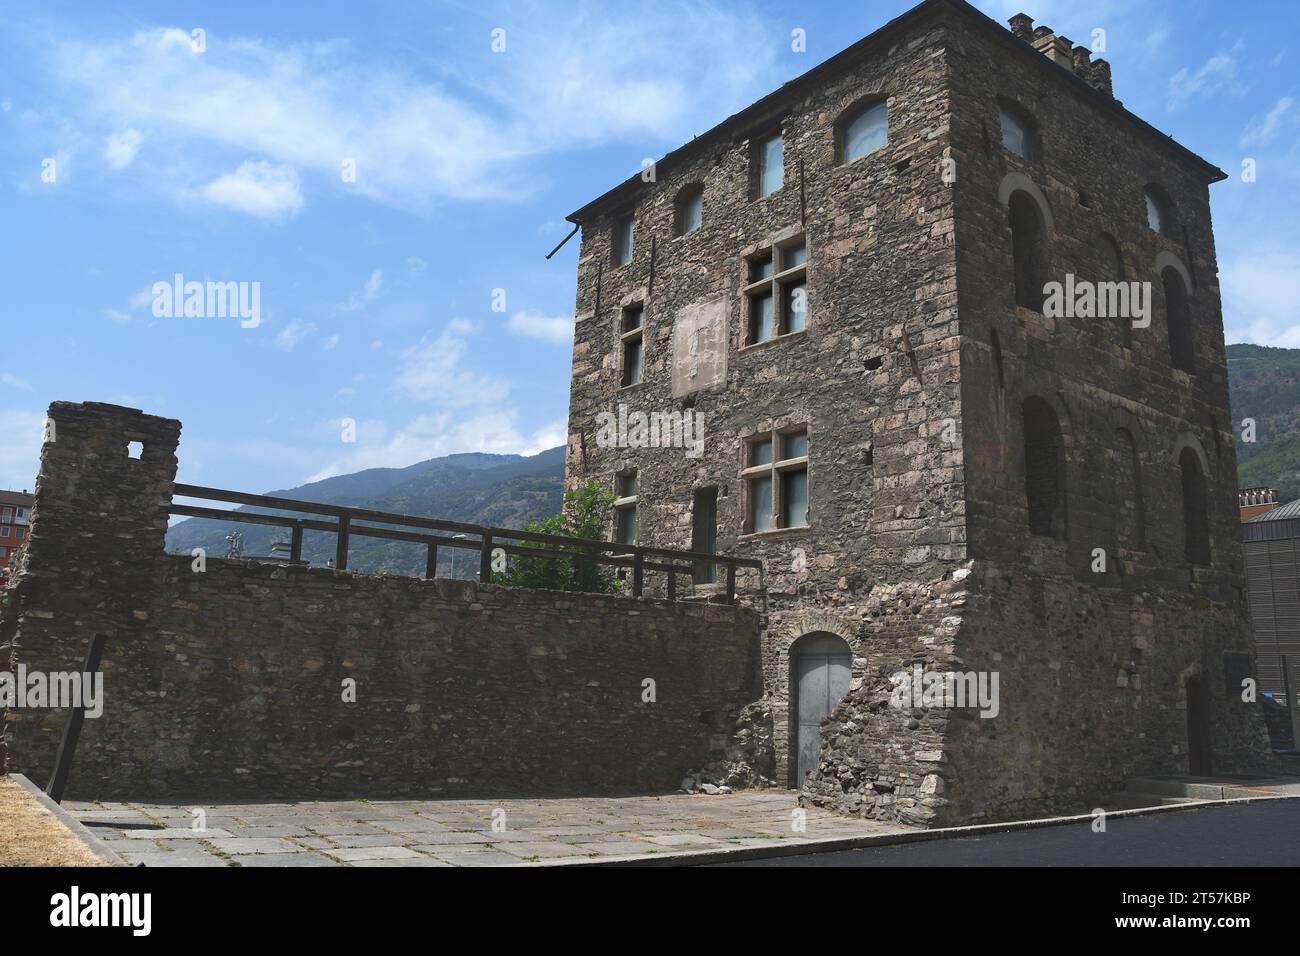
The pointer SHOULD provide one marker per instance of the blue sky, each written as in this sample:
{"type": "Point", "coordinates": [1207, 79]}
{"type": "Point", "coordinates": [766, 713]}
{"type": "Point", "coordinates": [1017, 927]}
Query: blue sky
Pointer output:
{"type": "Point", "coordinates": [377, 294]}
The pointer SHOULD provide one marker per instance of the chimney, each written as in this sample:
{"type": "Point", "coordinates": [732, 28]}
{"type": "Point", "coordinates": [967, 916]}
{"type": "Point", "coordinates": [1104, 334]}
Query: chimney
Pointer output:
{"type": "Point", "coordinates": [1056, 49]}
{"type": "Point", "coordinates": [1257, 501]}
{"type": "Point", "coordinates": [1022, 26]}
{"type": "Point", "coordinates": [1082, 66]}
{"type": "Point", "coordinates": [1077, 59]}
{"type": "Point", "coordinates": [1100, 78]}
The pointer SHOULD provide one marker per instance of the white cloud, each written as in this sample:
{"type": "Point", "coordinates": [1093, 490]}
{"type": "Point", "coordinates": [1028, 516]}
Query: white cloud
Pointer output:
{"type": "Point", "coordinates": [415, 266]}
{"type": "Point", "coordinates": [120, 148]}
{"type": "Point", "coordinates": [1261, 298]}
{"type": "Point", "coordinates": [447, 433]}
{"type": "Point", "coordinates": [370, 291]}
{"type": "Point", "coordinates": [330, 343]}
{"type": "Point", "coordinates": [143, 299]}
{"type": "Point", "coordinates": [1262, 132]}
{"type": "Point", "coordinates": [431, 372]}
{"type": "Point", "coordinates": [15, 382]}
{"type": "Point", "coordinates": [1217, 74]}
{"type": "Point", "coordinates": [557, 329]}
{"type": "Point", "coordinates": [292, 335]}
{"type": "Point", "coordinates": [417, 134]}
{"type": "Point", "coordinates": [257, 188]}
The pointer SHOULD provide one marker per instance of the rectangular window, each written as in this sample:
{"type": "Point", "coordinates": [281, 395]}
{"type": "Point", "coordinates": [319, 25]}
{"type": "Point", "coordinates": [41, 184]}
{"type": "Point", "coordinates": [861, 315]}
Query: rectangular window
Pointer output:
{"type": "Point", "coordinates": [6, 515]}
{"type": "Point", "coordinates": [21, 516]}
{"type": "Point", "coordinates": [776, 291]}
{"type": "Point", "coordinates": [625, 508]}
{"type": "Point", "coordinates": [3, 552]}
{"type": "Point", "coordinates": [20, 533]}
{"type": "Point", "coordinates": [776, 480]}
{"type": "Point", "coordinates": [624, 237]}
{"type": "Point", "coordinates": [693, 212]}
{"type": "Point", "coordinates": [771, 165]}
{"type": "Point", "coordinates": [632, 337]}
{"type": "Point", "coordinates": [4, 532]}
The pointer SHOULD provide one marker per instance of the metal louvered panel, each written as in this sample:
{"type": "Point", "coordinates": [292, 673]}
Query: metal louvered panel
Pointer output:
{"type": "Point", "coordinates": [1259, 590]}
{"type": "Point", "coordinates": [1285, 574]}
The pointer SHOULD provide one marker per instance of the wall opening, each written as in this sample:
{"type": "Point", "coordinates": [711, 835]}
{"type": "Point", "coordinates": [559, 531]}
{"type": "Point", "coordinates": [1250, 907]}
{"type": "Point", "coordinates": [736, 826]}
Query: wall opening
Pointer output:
{"type": "Point", "coordinates": [821, 665]}
{"type": "Point", "coordinates": [1178, 320]}
{"type": "Point", "coordinates": [1044, 469]}
{"type": "Point", "coordinates": [704, 532]}
{"type": "Point", "coordinates": [1196, 528]}
{"type": "Point", "coordinates": [1028, 250]}
{"type": "Point", "coordinates": [1130, 512]}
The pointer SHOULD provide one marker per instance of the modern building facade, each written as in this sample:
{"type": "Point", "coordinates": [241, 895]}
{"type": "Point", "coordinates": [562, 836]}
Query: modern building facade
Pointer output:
{"type": "Point", "coordinates": [1272, 542]}
{"type": "Point", "coordinates": [15, 518]}
{"type": "Point", "coordinates": [846, 290]}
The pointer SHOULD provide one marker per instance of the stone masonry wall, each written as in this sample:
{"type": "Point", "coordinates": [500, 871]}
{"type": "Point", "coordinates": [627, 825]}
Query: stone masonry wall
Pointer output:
{"type": "Point", "coordinates": [229, 682]}
{"type": "Point", "coordinates": [873, 375]}
{"type": "Point", "coordinates": [1093, 662]}
{"type": "Point", "coordinates": [911, 378]}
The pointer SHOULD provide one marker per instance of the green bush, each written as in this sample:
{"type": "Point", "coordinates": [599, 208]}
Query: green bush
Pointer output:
{"type": "Point", "coordinates": [585, 514]}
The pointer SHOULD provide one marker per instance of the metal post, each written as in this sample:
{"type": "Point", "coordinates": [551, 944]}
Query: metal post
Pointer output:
{"type": "Point", "coordinates": [485, 559]}
{"type": "Point", "coordinates": [72, 729]}
{"type": "Point", "coordinates": [431, 563]}
{"type": "Point", "coordinates": [341, 550]}
{"type": "Point", "coordinates": [672, 585]}
{"type": "Point", "coordinates": [638, 574]}
{"type": "Point", "coordinates": [731, 582]}
{"type": "Point", "coordinates": [295, 545]}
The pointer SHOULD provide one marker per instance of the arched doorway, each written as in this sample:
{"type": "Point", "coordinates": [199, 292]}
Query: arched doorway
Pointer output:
{"type": "Point", "coordinates": [1200, 761]}
{"type": "Point", "coordinates": [821, 665]}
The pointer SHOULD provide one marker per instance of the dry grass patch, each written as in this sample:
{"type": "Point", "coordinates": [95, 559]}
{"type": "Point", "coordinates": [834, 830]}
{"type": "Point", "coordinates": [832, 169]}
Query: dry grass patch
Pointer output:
{"type": "Point", "coordinates": [32, 836]}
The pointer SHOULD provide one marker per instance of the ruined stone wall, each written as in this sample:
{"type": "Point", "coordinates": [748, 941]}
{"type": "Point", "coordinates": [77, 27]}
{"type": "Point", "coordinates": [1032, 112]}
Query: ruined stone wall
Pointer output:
{"type": "Point", "coordinates": [873, 376]}
{"type": "Point", "coordinates": [229, 682]}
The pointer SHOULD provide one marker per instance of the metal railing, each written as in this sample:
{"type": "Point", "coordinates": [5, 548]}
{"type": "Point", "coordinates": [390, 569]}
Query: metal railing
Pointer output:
{"type": "Point", "coordinates": [344, 523]}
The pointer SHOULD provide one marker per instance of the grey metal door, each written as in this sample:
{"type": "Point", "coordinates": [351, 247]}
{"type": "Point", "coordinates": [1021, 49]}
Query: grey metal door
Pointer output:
{"type": "Point", "coordinates": [822, 681]}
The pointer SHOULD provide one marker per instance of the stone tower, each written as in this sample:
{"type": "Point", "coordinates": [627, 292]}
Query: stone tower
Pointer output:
{"type": "Point", "coordinates": [863, 297]}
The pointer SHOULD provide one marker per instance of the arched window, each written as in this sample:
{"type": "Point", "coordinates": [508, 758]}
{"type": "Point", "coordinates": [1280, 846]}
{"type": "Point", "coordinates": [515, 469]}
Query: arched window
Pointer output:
{"type": "Point", "coordinates": [1028, 249]}
{"type": "Point", "coordinates": [1130, 512]}
{"type": "Point", "coordinates": [1196, 527]}
{"type": "Point", "coordinates": [1044, 469]}
{"type": "Point", "coordinates": [688, 210]}
{"type": "Point", "coordinates": [1160, 212]}
{"type": "Point", "coordinates": [1178, 320]}
{"type": "Point", "coordinates": [864, 130]}
{"type": "Point", "coordinates": [1018, 133]}
{"type": "Point", "coordinates": [1110, 263]}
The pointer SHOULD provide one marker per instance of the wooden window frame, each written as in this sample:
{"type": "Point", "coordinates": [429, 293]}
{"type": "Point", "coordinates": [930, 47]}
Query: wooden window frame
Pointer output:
{"type": "Point", "coordinates": [776, 470]}
{"type": "Point", "coordinates": [775, 285]}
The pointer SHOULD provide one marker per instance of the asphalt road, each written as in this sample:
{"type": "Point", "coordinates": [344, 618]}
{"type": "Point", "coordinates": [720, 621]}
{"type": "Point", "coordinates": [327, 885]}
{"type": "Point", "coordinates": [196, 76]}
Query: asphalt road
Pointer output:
{"type": "Point", "coordinates": [1266, 833]}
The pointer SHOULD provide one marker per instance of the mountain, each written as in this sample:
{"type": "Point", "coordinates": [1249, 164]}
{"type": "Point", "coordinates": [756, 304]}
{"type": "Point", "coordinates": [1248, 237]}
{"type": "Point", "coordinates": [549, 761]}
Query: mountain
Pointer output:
{"type": "Point", "coordinates": [503, 491]}
{"type": "Point", "coordinates": [1264, 384]}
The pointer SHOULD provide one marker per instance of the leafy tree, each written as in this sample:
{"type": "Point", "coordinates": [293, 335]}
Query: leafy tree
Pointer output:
{"type": "Point", "coordinates": [585, 515]}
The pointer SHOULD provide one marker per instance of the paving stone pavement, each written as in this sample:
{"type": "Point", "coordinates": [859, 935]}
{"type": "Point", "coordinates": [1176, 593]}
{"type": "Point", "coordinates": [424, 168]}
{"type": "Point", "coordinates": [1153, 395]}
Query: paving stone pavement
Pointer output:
{"type": "Point", "coordinates": [457, 832]}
